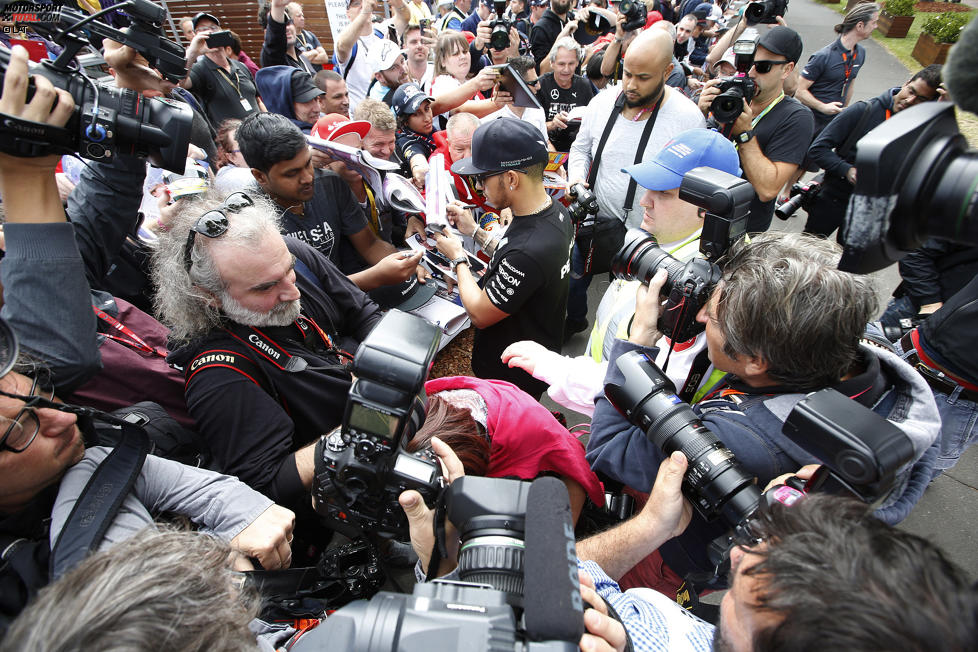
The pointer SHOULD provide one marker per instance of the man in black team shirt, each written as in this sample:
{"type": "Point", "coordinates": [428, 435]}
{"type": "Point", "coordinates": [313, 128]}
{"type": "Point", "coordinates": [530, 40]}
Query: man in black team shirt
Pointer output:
{"type": "Point", "coordinates": [523, 294]}
{"type": "Point", "coordinates": [562, 90]}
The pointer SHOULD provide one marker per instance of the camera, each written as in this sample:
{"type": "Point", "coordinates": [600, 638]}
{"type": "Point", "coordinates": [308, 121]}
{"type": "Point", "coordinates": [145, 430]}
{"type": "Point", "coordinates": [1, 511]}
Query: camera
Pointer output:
{"type": "Point", "coordinates": [361, 467]}
{"type": "Point", "coordinates": [518, 588]}
{"type": "Point", "coordinates": [585, 203]}
{"type": "Point", "coordinates": [499, 34]}
{"type": "Point", "coordinates": [737, 89]}
{"type": "Point", "coordinates": [916, 180]}
{"type": "Point", "coordinates": [766, 11]}
{"type": "Point", "coordinates": [635, 13]}
{"type": "Point", "coordinates": [803, 193]}
{"type": "Point", "coordinates": [107, 121]}
{"type": "Point", "coordinates": [726, 199]}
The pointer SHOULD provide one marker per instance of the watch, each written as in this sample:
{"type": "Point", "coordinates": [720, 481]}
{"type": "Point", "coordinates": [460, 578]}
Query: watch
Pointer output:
{"type": "Point", "coordinates": [744, 136]}
{"type": "Point", "coordinates": [455, 262]}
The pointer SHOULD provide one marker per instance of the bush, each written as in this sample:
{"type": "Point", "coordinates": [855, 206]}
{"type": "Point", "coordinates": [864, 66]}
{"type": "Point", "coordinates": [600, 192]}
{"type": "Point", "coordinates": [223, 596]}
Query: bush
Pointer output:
{"type": "Point", "coordinates": [946, 27]}
{"type": "Point", "coordinates": [899, 7]}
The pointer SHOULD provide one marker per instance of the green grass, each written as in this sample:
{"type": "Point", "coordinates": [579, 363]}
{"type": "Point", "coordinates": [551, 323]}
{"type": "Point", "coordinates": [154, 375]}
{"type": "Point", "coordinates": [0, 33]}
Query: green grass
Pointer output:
{"type": "Point", "coordinates": [901, 49]}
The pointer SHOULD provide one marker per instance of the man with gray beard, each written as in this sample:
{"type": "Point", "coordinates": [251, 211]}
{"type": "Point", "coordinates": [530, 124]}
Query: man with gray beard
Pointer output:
{"type": "Point", "coordinates": [263, 370]}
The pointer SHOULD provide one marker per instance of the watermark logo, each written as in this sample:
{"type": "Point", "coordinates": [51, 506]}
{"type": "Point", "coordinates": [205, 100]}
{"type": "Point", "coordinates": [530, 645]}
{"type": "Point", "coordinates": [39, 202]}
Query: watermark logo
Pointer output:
{"type": "Point", "coordinates": [26, 13]}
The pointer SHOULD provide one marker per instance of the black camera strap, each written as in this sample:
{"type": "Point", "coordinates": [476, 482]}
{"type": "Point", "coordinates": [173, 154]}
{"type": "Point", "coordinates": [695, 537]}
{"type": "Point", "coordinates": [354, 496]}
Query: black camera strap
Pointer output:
{"type": "Point", "coordinates": [29, 139]}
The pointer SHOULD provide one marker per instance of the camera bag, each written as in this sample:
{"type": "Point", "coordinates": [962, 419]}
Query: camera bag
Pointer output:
{"type": "Point", "coordinates": [599, 238]}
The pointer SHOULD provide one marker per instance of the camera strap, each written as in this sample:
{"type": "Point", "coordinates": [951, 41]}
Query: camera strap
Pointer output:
{"type": "Point", "coordinates": [29, 139]}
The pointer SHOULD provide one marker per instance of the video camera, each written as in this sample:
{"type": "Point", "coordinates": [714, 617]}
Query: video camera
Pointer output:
{"type": "Point", "coordinates": [766, 11]}
{"type": "Point", "coordinates": [916, 180]}
{"type": "Point", "coordinates": [106, 121]}
{"type": "Point", "coordinates": [362, 467]}
{"type": "Point", "coordinates": [635, 13]}
{"type": "Point", "coordinates": [726, 199]}
{"type": "Point", "coordinates": [861, 450]}
{"type": "Point", "coordinates": [499, 28]}
{"type": "Point", "coordinates": [737, 89]}
{"type": "Point", "coordinates": [518, 588]}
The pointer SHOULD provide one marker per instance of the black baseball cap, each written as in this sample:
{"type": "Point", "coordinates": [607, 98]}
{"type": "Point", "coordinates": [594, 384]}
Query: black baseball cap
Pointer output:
{"type": "Point", "coordinates": [503, 144]}
{"type": "Point", "coordinates": [303, 88]}
{"type": "Point", "coordinates": [404, 296]}
{"type": "Point", "coordinates": [204, 15]}
{"type": "Point", "coordinates": [407, 98]}
{"type": "Point", "coordinates": [784, 41]}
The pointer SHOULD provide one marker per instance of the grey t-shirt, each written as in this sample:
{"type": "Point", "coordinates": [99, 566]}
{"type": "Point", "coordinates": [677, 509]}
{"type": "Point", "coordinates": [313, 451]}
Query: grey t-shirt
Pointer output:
{"type": "Point", "coordinates": [677, 115]}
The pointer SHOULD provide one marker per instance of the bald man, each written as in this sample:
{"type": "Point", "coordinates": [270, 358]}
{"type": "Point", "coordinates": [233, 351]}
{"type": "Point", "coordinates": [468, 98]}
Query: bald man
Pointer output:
{"type": "Point", "coordinates": [642, 102]}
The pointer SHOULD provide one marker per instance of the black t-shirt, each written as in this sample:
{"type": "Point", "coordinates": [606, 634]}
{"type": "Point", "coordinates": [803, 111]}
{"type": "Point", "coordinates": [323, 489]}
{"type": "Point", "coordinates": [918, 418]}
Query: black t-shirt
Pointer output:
{"type": "Point", "coordinates": [527, 279]}
{"type": "Point", "coordinates": [555, 99]}
{"type": "Point", "coordinates": [224, 93]}
{"type": "Point", "coordinates": [409, 143]}
{"type": "Point", "coordinates": [329, 218]}
{"type": "Point", "coordinates": [783, 135]}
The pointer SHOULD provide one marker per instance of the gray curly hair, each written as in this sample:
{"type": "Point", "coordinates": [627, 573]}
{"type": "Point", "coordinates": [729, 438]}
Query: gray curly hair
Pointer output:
{"type": "Point", "coordinates": [185, 300]}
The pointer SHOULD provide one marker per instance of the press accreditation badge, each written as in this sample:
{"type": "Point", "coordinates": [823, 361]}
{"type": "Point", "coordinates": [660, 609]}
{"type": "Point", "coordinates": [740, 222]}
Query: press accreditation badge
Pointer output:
{"type": "Point", "coordinates": [246, 104]}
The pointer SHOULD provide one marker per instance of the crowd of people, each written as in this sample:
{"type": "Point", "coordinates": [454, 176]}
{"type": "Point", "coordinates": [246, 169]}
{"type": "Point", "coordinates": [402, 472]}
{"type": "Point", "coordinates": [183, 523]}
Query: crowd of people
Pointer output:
{"type": "Point", "coordinates": [185, 339]}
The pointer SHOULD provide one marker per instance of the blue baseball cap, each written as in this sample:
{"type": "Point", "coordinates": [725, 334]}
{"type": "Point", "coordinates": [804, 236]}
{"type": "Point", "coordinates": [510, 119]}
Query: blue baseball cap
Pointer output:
{"type": "Point", "coordinates": [690, 149]}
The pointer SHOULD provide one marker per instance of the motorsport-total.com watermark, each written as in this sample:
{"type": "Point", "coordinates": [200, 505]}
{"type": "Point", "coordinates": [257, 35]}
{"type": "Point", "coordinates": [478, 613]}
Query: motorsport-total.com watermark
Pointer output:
{"type": "Point", "coordinates": [17, 14]}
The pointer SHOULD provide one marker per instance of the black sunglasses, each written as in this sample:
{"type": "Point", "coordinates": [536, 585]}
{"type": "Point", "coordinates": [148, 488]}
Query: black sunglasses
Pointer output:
{"type": "Point", "coordinates": [214, 223]}
{"type": "Point", "coordinates": [481, 179]}
{"type": "Point", "coordinates": [764, 67]}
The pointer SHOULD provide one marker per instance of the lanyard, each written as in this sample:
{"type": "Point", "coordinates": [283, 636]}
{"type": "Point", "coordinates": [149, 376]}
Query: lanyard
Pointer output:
{"type": "Point", "coordinates": [753, 123]}
{"type": "Point", "coordinates": [127, 337]}
{"type": "Point", "coordinates": [236, 83]}
{"type": "Point", "coordinates": [374, 217]}
{"type": "Point", "coordinates": [847, 66]}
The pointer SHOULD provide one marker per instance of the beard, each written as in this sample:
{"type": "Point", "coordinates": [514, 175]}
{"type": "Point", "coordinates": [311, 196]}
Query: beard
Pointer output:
{"type": "Point", "coordinates": [645, 100]}
{"type": "Point", "coordinates": [281, 315]}
{"type": "Point", "coordinates": [560, 7]}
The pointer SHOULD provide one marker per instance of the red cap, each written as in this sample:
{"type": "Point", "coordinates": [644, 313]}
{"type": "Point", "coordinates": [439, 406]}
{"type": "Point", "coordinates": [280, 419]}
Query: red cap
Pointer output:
{"type": "Point", "coordinates": [335, 125]}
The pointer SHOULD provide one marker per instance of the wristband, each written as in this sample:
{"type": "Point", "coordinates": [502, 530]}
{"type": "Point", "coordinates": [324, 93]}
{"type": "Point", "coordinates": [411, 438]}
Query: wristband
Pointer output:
{"type": "Point", "coordinates": [744, 137]}
{"type": "Point", "coordinates": [455, 262]}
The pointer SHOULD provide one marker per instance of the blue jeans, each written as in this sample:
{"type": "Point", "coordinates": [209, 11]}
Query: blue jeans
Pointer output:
{"type": "Point", "coordinates": [958, 420]}
{"type": "Point", "coordinates": [579, 283]}
{"type": "Point", "coordinates": [898, 308]}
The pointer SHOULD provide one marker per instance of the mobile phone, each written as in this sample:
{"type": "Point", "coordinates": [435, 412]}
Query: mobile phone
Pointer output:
{"type": "Point", "coordinates": [424, 23]}
{"type": "Point", "coordinates": [220, 39]}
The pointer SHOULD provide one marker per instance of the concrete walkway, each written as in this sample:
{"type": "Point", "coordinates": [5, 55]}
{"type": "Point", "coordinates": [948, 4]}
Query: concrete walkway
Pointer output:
{"type": "Point", "coordinates": [948, 512]}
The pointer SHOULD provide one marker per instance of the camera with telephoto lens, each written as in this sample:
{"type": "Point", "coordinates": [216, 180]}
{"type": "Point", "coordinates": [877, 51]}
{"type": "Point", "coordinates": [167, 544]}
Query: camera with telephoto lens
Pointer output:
{"type": "Point", "coordinates": [362, 467]}
{"type": "Point", "coordinates": [861, 452]}
{"type": "Point", "coordinates": [585, 203]}
{"type": "Point", "coordinates": [106, 121]}
{"type": "Point", "coordinates": [506, 599]}
{"type": "Point", "coordinates": [499, 34]}
{"type": "Point", "coordinates": [737, 89]}
{"type": "Point", "coordinates": [765, 12]}
{"type": "Point", "coordinates": [635, 13]}
{"type": "Point", "coordinates": [803, 193]}
{"type": "Point", "coordinates": [726, 200]}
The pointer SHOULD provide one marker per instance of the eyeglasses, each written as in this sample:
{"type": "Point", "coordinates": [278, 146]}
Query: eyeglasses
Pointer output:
{"type": "Point", "coordinates": [535, 82]}
{"type": "Point", "coordinates": [764, 67]}
{"type": "Point", "coordinates": [214, 223]}
{"type": "Point", "coordinates": [23, 430]}
{"type": "Point", "coordinates": [480, 179]}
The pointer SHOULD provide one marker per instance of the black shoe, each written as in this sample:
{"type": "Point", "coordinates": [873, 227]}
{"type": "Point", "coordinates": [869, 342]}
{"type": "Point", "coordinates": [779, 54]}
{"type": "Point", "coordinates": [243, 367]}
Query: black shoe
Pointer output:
{"type": "Point", "coordinates": [574, 326]}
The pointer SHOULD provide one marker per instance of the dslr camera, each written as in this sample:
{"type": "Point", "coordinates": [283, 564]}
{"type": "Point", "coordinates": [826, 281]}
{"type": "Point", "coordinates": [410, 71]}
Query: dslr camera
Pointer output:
{"type": "Point", "coordinates": [362, 467]}
{"type": "Point", "coordinates": [739, 88]}
{"type": "Point", "coordinates": [766, 11]}
{"type": "Point", "coordinates": [803, 193]}
{"type": "Point", "coordinates": [726, 199]}
{"type": "Point", "coordinates": [499, 28]}
{"type": "Point", "coordinates": [635, 13]}
{"type": "Point", "coordinates": [106, 121]}
{"type": "Point", "coordinates": [585, 203]}
{"type": "Point", "coordinates": [518, 588]}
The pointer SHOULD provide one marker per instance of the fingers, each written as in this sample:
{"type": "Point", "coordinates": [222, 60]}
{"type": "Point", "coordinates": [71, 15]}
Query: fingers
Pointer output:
{"type": "Point", "coordinates": [15, 82]}
{"type": "Point", "coordinates": [422, 274]}
{"type": "Point", "coordinates": [672, 470]}
{"type": "Point", "coordinates": [451, 466]}
{"type": "Point", "coordinates": [658, 281]}
{"type": "Point", "coordinates": [603, 632]}
{"type": "Point", "coordinates": [413, 505]}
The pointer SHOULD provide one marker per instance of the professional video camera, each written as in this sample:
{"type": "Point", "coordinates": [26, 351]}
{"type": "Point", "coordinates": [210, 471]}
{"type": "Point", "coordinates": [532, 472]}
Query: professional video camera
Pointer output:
{"type": "Point", "coordinates": [106, 121]}
{"type": "Point", "coordinates": [519, 588]}
{"type": "Point", "coordinates": [726, 199]}
{"type": "Point", "coordinates": [499, 34]}
{"type": "Point", "coordinates": [766, 11]}
{"type": "Point", "coordinates": [635, 13]}
{"type": "Point", "coordinates": [803, 193]}
{"type": "Point", "coordinates": [916, 180]}
{"type": "Point", "coordinates": [861, 450]}
{"type": "Point", "coordinates": [362, 467]}
{"type": "Point", "coordinates": [584, 203]}
{"type": "Point", "coordinates": [737, 89]}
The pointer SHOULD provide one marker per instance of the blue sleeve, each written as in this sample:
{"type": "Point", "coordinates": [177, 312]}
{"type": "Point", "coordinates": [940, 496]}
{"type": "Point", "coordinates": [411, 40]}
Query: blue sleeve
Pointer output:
{"type": "Point", "coordinates": [616, 448]}
{"type": "Point", "coordinates": [815, 66]}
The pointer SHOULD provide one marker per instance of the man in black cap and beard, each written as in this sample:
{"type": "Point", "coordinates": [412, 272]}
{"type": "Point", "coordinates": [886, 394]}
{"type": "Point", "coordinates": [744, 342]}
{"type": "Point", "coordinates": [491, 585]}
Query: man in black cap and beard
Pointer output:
{"type": "Point", "coordinates": [524, 292]}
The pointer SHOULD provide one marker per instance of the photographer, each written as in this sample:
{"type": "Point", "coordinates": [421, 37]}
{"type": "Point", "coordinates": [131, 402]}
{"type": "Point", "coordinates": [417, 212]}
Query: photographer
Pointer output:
{"type": "Point", "coordinates": [782, 322]}
{"type": "Point", "coordinates": [834, 149]}
{"type": "Point", "coordinates": [774, 131]}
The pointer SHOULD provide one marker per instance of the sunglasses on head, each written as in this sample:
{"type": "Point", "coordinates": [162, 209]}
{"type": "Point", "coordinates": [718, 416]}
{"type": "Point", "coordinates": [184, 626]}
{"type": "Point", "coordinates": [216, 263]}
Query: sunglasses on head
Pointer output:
{"type": "Point", "coordinates": [765, 66]}
{"type": "Point", "coordinates": [214, 223]}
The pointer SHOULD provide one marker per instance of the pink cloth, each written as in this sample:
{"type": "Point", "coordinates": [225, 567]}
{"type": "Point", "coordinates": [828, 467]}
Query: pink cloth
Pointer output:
{"type": "Point", "coordinates": [526, 439]}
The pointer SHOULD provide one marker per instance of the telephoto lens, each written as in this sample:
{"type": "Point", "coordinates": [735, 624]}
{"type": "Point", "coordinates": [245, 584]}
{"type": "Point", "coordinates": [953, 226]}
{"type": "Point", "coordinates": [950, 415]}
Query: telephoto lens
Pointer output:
{"type": "Point", "coordinates": [715, 483]}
